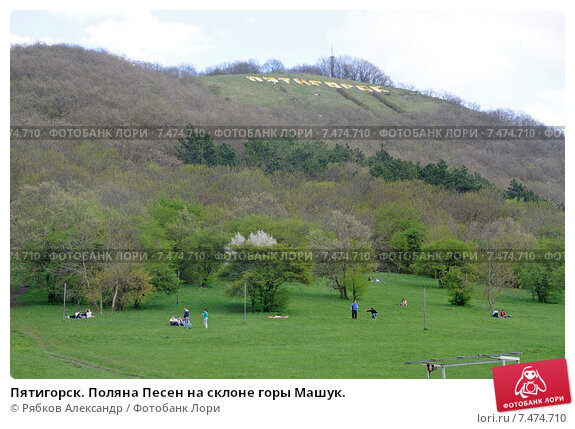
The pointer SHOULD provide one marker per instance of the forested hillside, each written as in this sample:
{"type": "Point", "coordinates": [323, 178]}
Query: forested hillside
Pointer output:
{"type": "Point", "coordinates": [63, 85]}
{"type": "Point", "coordinates": [190, 194]}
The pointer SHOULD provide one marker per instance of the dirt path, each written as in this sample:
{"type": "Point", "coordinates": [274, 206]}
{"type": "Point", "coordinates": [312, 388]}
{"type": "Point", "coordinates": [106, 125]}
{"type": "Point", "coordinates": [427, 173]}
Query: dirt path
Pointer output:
{"type": "Point", "coordinates": [14, 295]}
{"type": "Point", "coordinates": [74, 362]}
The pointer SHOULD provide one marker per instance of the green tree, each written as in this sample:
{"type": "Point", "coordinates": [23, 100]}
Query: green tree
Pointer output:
{"type": "Point", "coordinates": [265, 276]}
{"type": "Point", "coordinates": [357, 284]}
{"type": "Point", "coordinates": [399, 229]}
{"type": "Point", "coordinates": [341, 154]}
{"type": "Point", "coordinates": [383, 165]}
{"type": "Point", "coordinates": [458, 288]}
{"type": "Point", "coordinates": [520, 192]}
{"type": "Point", "coordinates": [396, 216]}
{"type": "Point", "coordinates": [166, 226]}
{"type": "Point", "coordinates": [196, 148]}
{"type": "Point", "coordinates": [48, 220]}
{"type": "Point", "coordinates": [435, 174]}
{"type": "Point", "coordinates": [442, 256]}
{"type": "Point", "coordinates": [162, 277]}
{"type": "Point", "coordinates": [545, 281]}
{"type": "Point", "coordinates": [123, 284]}
{"type": "Point", "coordinates": [226, 155]}
{"type": "Point", "coordinates": [201, 249]}
{"type": "Point", "coordinates": [406, 244]}
{"type": "Point", "coordinates": [344, 252]}
{"type": "Point", "coordinates": [265, 154]}
{"type": "Point", "coordinates": [546, 276]}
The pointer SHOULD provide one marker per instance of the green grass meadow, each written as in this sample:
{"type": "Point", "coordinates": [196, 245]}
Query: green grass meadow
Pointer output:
{"type": "Point", "coordinates": [239, 89]}
{"type": "Point", "coordinates": [318, 340]}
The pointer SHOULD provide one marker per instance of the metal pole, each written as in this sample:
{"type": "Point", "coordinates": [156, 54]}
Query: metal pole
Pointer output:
{"type": "Point", "coordinates": [245, 300]}
{"type": "Point", "coordinates": [64, 306]}
{"type": "Point", "coordinates": [424, 312]}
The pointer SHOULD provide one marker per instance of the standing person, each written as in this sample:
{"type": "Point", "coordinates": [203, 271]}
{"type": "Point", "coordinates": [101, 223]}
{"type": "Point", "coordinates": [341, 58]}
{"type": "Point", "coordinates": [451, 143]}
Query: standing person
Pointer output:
{"type": "Point", "coordinates": [354, 309]}
{"type": "Point", "coordinates": [187, 318]}
{"type": "Point", "coordinates": [206, 318]}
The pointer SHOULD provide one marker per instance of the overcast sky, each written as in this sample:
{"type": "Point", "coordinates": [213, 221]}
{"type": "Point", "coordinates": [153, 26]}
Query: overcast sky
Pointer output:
{"type": "Point", "coordinates": [498, 59]}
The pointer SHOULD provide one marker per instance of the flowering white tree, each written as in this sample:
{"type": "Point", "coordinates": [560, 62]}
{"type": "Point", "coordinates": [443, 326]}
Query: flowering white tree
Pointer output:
{"type": "Point", "coordinates": [237, 240]}
{"type": "Point", "coordinates": [261, 238]}
{"type": "Point", "coordinates": [260, 270]}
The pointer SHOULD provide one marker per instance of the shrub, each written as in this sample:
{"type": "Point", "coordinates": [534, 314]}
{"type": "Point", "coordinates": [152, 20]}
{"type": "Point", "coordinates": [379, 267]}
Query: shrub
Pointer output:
{"type": "Point", "coordinates": [459, 290]}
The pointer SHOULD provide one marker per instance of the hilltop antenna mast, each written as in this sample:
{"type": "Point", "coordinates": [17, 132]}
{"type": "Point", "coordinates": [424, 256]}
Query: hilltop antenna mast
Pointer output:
{"type": "Point", "coordinates": [332, 63]}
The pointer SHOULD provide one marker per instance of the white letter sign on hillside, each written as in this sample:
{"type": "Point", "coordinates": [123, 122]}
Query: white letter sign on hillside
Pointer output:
{"type": "Point", "coordinates": [302, 82]}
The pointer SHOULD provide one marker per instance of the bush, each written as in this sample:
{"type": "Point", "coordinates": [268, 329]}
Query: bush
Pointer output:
{"type": "Point", "coordinates": [547, 282]}
{"type": "Point", "coordinates": [459, 290]}
{"type": "Point", "coordinates": [163, 278]}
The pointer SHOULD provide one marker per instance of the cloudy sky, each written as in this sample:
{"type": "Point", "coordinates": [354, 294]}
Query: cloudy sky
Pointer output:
{"type": "Point", "coordinates": [496, 58]}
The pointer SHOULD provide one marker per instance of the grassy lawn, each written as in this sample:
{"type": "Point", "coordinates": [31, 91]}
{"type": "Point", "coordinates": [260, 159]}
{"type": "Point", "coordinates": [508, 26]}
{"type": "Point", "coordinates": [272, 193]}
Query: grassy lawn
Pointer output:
{"type": "Point", "coordinates": [318, 340]}
{"type": "Point", "coordinates": [237, 88]}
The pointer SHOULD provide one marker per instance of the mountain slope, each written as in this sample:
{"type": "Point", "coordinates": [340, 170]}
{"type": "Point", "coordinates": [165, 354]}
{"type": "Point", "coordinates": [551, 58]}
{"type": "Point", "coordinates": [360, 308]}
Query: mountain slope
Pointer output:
{"type": "Point", "coordinates": [63, 85]}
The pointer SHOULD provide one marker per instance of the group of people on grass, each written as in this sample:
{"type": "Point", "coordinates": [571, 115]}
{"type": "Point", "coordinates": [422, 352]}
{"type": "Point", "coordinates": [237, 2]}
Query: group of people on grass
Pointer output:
{"type": "Point", "coordinates": [185, 320]}
{"type": "Point", "coordinates": [81, 314]}
{"type": "Point", "coordinates": [355, 306]}
{"type": "Point", "coordinates": [500, 314]}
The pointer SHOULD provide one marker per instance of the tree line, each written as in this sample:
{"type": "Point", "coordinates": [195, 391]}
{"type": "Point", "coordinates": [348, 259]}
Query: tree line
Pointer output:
{"type": "Point", "coordinates": [185, 243]}
{"type": "Point", "coordinates": [190, 214]}
{"type": "Point", "coordinates": [311, 158]}
{"type": "Point", "coordinates": [122, 195]}
{"type": "Point", "coordinates": [344, 67]}
{"type": "Point", "coordinates": [51, 85]}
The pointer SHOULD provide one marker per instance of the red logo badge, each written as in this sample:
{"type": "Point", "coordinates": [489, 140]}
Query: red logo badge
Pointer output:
{"type": "Point", "coordinates": [533, 384]}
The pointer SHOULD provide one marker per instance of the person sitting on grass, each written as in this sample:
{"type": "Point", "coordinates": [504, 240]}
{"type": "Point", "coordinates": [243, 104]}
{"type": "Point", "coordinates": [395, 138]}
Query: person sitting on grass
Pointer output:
{"type": "Point", "coordinates": [495, 313]}
{"type": "Point", "coordinates": [173, 321]}
{"type": "Point", "coordinates": [373, 313]}
{"type": "Point", "coordinates": [503, 314]}
{"type": "Point", "coordinates": [403, 303]}
{"type": "Point", "coordinates": [88, 313]}
{"type": "Point", "coordinates": [180, 321]}
{"type": "Point", "coordinates": [78, 315]}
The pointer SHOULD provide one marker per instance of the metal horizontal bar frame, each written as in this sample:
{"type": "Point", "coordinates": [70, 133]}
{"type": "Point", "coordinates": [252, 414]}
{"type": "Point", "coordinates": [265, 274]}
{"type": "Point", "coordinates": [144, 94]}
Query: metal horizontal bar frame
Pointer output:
{"type": "Point", "coordinates": [445, 365]}
{"type": "Point", "coordinates": [491, 355]}
{"type": "Point", "coordinates": [431, 364]}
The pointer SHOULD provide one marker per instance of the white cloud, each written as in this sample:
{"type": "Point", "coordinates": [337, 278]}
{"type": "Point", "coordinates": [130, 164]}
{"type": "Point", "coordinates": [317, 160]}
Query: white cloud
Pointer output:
{"type": "Point", "coordinates": [83, 17]}
{"type": "Point", "coordinates": [141, 36]}
{"type": "Point", "coordinates": [548, 107]}
{"type": "Point", "coordinates": [22, 40]}
{"type": "Point", "coordinates": [495, 59]}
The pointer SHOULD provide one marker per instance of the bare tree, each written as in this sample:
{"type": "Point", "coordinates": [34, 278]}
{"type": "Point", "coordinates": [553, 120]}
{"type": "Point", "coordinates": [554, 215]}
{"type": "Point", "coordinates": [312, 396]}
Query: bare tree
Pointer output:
{"type": "Point", "coordinates": [273, 66]}
{"type": "Point", "coordinates": [238, 67]}
{"type": "Point", "coordinates": [495, 278]}
{"type": "Point", "coordinates": [352, 68]}
{"type": "Point", "coordinates": [341, 245]}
